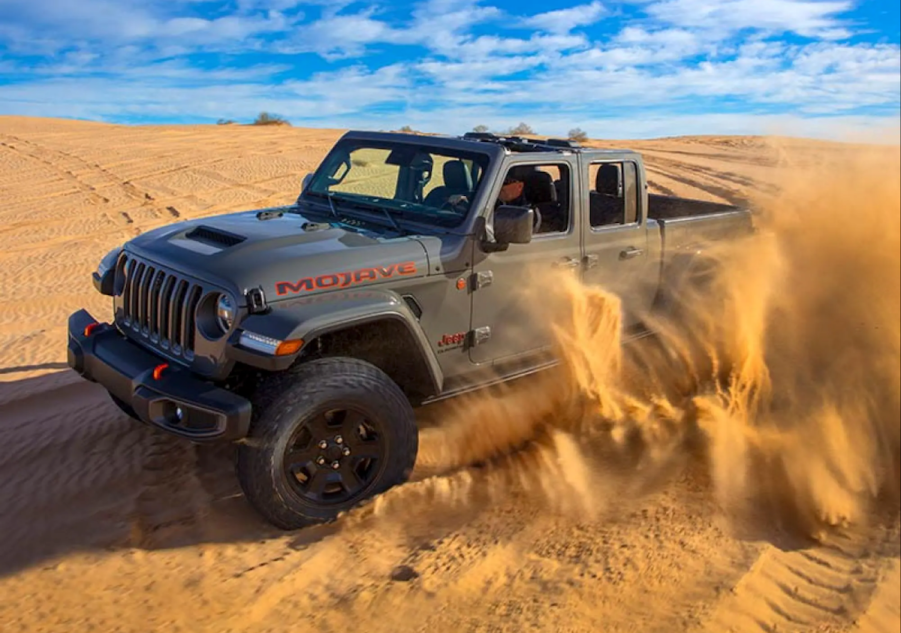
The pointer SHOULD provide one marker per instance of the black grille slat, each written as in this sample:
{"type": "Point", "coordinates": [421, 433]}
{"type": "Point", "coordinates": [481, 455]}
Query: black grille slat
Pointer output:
{"type": "Point", "coordinates": [146, 283]}
{"type": "Point", "coordinates": [190, 311]}
{"type": "Point", "coordinates": [127, 292]}
{"type": "Point", "coordinates": [139, 297]}
{"type": "Point", "coordinates": [135, 281]}
{"type": "Point", "coordinates": [160, 307]}
{"type": "Point", "coordinates": [165, 312]}
{"type": "Point", "coordinates": [155, 288]}
{"type": "Point", "coordinates": [137, 270]}
{"type": "Point", "coordinates": [178, 310]}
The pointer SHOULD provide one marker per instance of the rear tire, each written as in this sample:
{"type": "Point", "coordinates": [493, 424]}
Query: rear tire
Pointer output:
{"type": "Point", "coordinates": [324, 437]}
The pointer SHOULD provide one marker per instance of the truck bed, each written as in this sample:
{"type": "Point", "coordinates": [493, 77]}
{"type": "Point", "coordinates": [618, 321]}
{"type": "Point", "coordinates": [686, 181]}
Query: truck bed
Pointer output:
{"type": "Point", "coordinates": [685, 223]}
{"type": "Point", "coordinates": [662, 207]}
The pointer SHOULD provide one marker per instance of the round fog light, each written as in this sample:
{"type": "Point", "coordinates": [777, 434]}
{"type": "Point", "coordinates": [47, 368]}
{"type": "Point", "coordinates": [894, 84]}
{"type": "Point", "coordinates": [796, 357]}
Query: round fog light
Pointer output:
{"type": "Point", "coordinates": [179, 414]}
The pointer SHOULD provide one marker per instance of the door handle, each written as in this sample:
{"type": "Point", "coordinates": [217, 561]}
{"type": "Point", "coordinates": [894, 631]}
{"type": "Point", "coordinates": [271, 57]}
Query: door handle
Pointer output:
{"type": "Point", "coordinates": [630, 252]}
{"type": "Point", "coordinates": [567, 262]}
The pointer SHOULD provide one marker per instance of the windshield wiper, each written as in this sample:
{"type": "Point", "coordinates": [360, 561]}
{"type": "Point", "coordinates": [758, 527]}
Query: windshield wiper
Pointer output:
{"type": "Point", "coordinates": [376, 207]}
{"type": "Point", "coordinates": [331, 205]}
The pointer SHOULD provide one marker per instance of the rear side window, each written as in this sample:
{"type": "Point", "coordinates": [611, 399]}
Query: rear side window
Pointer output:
{"type": "Point", "coordinates": [613, 193]}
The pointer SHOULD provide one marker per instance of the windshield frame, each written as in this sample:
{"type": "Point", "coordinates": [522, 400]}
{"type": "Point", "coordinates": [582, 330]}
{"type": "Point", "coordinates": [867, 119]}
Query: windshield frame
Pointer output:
{"type": "Point", "coordinates": [405, 213]}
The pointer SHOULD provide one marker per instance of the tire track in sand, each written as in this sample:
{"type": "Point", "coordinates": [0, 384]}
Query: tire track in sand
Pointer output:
{"type": "Point", "coordinates": [884, 612]}
{"type": "Point", "coordinates": [69, 166]}
{"type": "Point", "coordinates": [76, 473]}
{"type": "Point", "coordinates": [825, 587]}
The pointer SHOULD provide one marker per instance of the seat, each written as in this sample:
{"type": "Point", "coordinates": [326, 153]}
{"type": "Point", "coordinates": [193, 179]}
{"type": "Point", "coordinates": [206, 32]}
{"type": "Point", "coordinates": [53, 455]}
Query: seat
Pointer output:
{"type": "Point", "coordinates": [606, 203]}
{"type": "Point", "coordinates": [457, 181]}
{"type": "Point", "coordinates": [540, 191]}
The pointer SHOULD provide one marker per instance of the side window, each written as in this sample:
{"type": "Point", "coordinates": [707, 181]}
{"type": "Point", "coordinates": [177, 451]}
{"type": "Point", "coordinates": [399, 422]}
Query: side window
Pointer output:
{"type": "Point", "coordinates": [544, 188]}
{"type": "Point", "coordinates": [613, 194]}
{"type": "Point", "coordinates": [606, 203]}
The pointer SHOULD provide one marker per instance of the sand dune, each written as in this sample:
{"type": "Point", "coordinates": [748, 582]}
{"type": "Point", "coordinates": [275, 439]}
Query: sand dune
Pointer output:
{"type": "Point", "coordinates": [107, 525]}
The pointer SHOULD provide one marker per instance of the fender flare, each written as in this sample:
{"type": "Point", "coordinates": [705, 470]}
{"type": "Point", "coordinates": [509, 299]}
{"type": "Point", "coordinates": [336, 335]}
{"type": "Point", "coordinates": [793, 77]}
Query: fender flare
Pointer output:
{"type": "Point", "coordinates": [312, 317]}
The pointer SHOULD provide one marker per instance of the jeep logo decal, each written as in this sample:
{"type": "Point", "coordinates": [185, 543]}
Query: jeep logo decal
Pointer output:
{"type": "Point", "coordinates": [345, 279]}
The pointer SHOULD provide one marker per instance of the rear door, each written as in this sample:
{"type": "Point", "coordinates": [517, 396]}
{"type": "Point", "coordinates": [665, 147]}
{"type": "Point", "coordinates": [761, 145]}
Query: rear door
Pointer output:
{"type": "Point", "coordinates": [615, 235]}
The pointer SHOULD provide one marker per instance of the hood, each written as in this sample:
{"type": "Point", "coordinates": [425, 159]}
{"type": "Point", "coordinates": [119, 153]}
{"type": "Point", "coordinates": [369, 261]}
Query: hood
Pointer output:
{"type": "Point", "coordinates": [281, 251]}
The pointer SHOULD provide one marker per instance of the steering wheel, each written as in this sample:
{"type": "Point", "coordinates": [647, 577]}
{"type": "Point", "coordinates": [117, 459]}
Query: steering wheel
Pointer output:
{"type": "Point", "coordinates": [453, 203]}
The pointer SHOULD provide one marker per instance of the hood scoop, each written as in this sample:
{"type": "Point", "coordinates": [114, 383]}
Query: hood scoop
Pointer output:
{"type": "Point", "coordinates": [214, 236]}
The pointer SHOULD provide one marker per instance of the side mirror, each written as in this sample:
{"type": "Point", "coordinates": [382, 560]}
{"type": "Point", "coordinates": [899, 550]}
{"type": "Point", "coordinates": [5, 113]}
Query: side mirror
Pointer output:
{"type": "Point", "coordinates": [306, 182]}
{"type": "Point", "coordinates": [513, 225]}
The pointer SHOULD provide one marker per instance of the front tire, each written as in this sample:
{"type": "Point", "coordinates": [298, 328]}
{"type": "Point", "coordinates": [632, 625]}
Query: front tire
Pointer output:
{"type": "Point", "coordinates": [324, 437]}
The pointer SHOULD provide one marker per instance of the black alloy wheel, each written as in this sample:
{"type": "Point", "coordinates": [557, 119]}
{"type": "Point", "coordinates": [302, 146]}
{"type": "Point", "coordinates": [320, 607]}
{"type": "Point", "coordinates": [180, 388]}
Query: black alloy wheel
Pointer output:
{"type": "Point", "coordinates": [324, 437]}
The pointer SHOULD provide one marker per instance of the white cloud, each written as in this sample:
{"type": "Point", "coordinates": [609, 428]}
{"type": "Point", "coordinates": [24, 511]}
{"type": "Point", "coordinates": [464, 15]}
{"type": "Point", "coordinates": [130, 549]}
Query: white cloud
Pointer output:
{"type": "Point", "coordinates": [101, 23]}
{"type": "Point", "coordinates": [809, 18]}
{"type": "Point", "coordinates": [565, 20]}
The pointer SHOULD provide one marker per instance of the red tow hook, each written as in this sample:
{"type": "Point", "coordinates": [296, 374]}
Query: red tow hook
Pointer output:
{"type": "Point", "coordinates": [158, 370]}
{"type": "Point", "coordinates": [90, 328]}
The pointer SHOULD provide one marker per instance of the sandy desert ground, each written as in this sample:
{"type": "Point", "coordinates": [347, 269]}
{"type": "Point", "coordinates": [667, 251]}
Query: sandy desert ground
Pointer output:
{"type": "Point", "coordinates": [108, 526]}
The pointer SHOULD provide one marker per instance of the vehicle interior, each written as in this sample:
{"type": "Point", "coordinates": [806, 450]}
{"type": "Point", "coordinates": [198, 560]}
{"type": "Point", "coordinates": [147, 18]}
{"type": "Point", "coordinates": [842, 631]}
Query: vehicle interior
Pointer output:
{"type": "Point", "coordinates": [545, 188]}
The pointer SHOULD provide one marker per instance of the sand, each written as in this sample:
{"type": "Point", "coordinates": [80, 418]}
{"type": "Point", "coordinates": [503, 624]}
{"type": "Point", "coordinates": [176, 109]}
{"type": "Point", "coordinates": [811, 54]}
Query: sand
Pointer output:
{"type": "Point", "coordinates": [107, 525]}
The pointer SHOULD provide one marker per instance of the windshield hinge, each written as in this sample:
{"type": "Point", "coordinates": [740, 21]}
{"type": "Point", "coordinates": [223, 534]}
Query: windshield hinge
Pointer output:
{"type": "Point", "coordinates": [256, 300]}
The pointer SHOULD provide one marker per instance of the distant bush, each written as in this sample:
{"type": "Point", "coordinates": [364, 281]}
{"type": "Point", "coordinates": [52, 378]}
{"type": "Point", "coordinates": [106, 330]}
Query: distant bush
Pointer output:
{"type": "Point", "coordinates": [481, 129]}
{"type": "Point", "coordinates": [522, 128]}
{"type": "Point", "coordinates": [578, 135]}
{"type": "Point", "coordinates": [224, 122]}
{"type": "Point", "coordinates": [264, 118]}
{"type": "Point", "coordinates": [407, 129]}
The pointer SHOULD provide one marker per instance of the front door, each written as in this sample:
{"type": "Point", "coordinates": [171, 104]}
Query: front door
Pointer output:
{"type": "Point", "coordinates": [506, 310]}
{"type": "Point", "coordinates": [615, 236]}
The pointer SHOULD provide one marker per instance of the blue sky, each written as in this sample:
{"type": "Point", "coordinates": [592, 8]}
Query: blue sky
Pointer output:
{"type": "Point", "coordinates": [617, 69]}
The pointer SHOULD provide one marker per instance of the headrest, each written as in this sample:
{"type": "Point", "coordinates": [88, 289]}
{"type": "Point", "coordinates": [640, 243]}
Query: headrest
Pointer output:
{"type": "Point", "coordinates": [540, 187]}
{"type": "Point", "coordinates": [456, 176]}
{"type": "Point", "coordinates": [609, 180]}
{"type": "Point", "coordinates": [520, 173]}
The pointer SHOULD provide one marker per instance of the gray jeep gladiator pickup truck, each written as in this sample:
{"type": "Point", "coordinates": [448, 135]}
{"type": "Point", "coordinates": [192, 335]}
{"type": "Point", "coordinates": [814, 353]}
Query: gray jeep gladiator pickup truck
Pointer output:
{"type": "Point", "coordinates": [307, 334]}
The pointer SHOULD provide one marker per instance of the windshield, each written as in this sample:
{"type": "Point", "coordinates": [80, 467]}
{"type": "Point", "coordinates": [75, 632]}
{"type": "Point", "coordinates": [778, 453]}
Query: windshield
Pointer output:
{"type": "Point", "coordinates": [401, 182]}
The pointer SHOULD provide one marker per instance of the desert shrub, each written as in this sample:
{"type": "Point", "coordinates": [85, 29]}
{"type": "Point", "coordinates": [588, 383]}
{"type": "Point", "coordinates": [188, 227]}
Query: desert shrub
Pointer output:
{"type": "Point", "coordinates": [521, 129]}
{"type": "Point", "coordinates": [264, 118]}
{"type": "Point", "coordinates": [578, 134]}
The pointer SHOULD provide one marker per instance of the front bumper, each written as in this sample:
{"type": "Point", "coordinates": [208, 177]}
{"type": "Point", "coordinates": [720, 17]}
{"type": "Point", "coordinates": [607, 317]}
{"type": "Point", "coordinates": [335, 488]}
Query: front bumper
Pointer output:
{"type": "Point", "coordinates": [177, 401]}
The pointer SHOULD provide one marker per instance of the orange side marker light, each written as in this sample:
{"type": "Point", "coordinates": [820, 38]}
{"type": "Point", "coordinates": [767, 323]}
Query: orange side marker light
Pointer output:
{"type": "Point", "coordinates": [158, 370]}
{"type": "Point", "coordinates": [288, 347]}
{"type": "Point", "coordinates": [90, 328]}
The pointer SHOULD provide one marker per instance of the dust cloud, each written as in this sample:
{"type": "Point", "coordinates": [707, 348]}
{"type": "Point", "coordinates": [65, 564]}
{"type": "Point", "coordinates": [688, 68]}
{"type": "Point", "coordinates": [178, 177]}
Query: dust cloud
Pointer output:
{"type": "Point", "coordinates": [776, 375]}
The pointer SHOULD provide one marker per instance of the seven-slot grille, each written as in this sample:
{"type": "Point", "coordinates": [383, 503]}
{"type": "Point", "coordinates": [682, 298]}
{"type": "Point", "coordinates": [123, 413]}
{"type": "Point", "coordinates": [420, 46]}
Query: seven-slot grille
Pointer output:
{"type": "Point", "coordinates": [160, 306]}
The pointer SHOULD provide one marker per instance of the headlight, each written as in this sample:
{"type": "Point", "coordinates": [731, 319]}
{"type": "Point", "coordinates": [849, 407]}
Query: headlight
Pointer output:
{"type": "Point", "coordinates": [225, 310]}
